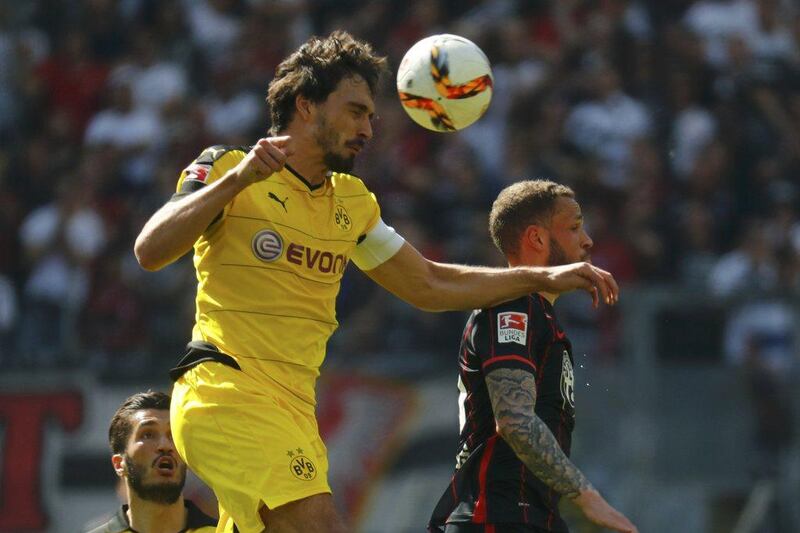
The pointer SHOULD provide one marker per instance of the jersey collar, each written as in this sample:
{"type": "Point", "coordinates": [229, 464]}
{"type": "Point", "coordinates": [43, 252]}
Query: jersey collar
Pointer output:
{"type": "Point", "coordinates": [299, 176]}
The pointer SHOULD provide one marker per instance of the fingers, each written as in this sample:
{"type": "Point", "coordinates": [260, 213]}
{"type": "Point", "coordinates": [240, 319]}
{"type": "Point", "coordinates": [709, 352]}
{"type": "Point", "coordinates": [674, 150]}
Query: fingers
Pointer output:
{"type": "Point", "coordinates": [620, 522]}
{"type": "Point", "coordinates": [282, 143]}
{"type": "Point", "coordinates": [269, 155]}
{"type": "Point", "coordinates": [603, 285]}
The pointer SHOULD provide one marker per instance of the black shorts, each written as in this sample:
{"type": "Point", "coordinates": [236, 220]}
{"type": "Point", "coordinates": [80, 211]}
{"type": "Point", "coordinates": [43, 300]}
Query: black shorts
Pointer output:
{"type": "Point", "coordinates": [468, 527]}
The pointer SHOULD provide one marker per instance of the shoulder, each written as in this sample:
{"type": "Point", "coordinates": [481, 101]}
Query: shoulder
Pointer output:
{"type": "Point", "coordinates": [523, 304]}
{"type": "Point", "coordinates": [511, 321]}
{"type": "Point", "coordinates": [348, 185]}
{"type": "Point", "coordinates": [212, 154]}
{"type": "Point", "coordinates": [210, 165]}
{"type": "Point", "coordinates": [116, 524]}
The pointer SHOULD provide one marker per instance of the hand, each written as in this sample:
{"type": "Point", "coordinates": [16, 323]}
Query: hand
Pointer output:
{"type": "Point", "coordinates": [586, 276]}
{"type": "Point", "coordinates": [598, 511]}
{"type": "Point", "coordinates": [264, 159]}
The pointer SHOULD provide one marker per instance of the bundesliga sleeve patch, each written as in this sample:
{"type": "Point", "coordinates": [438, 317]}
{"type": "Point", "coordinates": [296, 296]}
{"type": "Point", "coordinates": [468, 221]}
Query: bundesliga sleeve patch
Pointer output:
{"type": "Point", "coordinates": [197, 172]}
{"type": "Point", "coordinates": [512, 327]}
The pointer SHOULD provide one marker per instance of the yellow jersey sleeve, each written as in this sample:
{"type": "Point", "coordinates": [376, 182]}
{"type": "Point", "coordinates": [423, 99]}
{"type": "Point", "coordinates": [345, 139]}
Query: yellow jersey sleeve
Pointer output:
{"type": "Point", "coordinates": [213, 163]}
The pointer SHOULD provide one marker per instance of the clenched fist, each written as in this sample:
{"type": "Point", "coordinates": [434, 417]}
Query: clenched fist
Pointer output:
{"type": "Point", "coordinates": [266, 157]}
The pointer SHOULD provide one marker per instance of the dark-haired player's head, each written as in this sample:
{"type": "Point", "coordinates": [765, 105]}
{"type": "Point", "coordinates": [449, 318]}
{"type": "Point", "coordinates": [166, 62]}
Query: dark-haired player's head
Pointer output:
{"type": "Point", "coordinates": [143, 452]}
{"type": "Point", "coordinates": [539, 223]}
{"type": "Point", "coordinates": [328, 85]}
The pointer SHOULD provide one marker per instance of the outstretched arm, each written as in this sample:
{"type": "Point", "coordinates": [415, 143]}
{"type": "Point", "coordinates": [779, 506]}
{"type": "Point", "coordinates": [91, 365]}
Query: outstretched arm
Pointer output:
{"type": "Point", "coordinates": [513, 396]}
{"type": "Point", "coordinates": [446, 287]}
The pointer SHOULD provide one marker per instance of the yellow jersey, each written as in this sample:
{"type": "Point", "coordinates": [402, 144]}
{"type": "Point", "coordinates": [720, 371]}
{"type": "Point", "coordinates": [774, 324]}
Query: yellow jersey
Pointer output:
{"type": "Point", "coordinates": [270, 265]}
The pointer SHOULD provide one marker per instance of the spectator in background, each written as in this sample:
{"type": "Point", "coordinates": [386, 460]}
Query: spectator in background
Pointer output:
{"type": "Point", "coordinates": [8, 319]}
{"type": "Point", "coordinates": [696, 236]}
{"type": "Point", "coordinates": [215, 26]}
{"type": "Point", "coordinates": [155, 81]}
{"type": "Point", "coordinates": [131, 132]}
{"type": "Point", "coordinates": [718, 21]}
{"type": "Point", "coordinates": [121, 125]}
{"type": "Point", "coordinates": [761, 340]}
{"type": "Point", "coordinates": [231, 111]}
{"type": "Point", "coordinates": [72, 80]}
{"type": "Point", "coordinates": [60, 240]}
{"type": "Point", "coordinates": [692, 129]}
{"type": "Point", "coordinates": [607, 125]}
{"type": "Point", "coordinates": [750, 266]}
{"type": "Point", "coordinates": [769, 34]}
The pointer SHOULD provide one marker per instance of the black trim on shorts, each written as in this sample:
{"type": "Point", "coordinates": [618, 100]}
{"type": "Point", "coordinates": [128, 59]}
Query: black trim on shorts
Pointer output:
{"type": "Point", "coordinates": [201, 352]}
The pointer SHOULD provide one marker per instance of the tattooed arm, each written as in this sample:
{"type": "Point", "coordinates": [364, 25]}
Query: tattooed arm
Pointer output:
{"type": "Point", "coordinates": [513, 396]}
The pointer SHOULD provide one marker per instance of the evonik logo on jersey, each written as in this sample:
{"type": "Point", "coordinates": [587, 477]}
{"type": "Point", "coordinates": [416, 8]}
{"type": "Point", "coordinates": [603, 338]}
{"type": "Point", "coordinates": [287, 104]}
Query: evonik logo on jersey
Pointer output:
{"type": "Point", "coordinates": [268, 246]}
{"type": "Point", "coordinates": [314, 259]}
{"type": "Point", "coordinates": [512, 327]}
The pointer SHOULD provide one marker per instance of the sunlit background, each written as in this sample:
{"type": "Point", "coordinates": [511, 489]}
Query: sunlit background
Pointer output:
{"type": "Point", "coordinates": [677, 123]}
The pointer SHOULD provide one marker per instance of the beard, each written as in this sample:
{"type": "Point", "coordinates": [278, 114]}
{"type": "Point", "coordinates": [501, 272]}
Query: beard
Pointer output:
{"type": "Point", "coordinates": [557, 255]}
{"type": "Point", "coordinates": [164, 493]}
{"type": "Point", "coordinates": [328, 140]}
{"type": "Point", "coordinates": [339, 163]}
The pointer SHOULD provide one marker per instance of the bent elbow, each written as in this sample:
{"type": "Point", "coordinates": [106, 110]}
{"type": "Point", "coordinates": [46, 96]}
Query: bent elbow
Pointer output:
{"type": "Point", "coordinates": [145, 258]}
{"type": "Point", "coordinates": [147, 263]}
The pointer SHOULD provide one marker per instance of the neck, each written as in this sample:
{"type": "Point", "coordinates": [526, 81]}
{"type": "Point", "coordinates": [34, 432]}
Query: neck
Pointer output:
{"type": "Point", "coordinates": [151, 517]}
{"type": "Point", "coordinates": [533, 262]}
{"type": "Point", "coordinates": [307, 157]}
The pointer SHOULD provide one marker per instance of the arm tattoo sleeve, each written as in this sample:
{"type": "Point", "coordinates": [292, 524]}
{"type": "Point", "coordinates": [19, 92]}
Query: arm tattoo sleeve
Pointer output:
{"type": "Point", "coordinates": [513, 395]}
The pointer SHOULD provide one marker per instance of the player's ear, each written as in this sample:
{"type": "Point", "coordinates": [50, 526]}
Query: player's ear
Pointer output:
{"type": "Point", "coordinates": [304, 107]}
{"type": "Point", "coordinates": [534, 238]}
{"type": "Point", "coordinates": [118, 462]}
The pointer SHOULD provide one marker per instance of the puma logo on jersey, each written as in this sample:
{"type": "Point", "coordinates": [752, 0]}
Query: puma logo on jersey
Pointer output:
{"type": "Point", "coordinates": [272, 196]}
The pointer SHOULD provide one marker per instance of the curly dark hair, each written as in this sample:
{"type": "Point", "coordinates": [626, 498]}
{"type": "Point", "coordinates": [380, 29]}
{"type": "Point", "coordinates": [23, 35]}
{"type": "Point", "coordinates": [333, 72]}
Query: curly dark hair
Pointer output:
{"type": "Point", "coordinates": [520, 205]}
{"type": "Point", "coordinates": [120, 429]}
{"type": "Point", "coordinates": [315, 70]}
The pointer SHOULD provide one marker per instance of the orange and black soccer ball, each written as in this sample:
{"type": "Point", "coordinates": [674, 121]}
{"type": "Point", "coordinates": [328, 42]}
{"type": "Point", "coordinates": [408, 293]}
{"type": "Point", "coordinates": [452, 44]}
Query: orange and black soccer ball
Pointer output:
{"type": "Point", "coordinates": [445, 82]}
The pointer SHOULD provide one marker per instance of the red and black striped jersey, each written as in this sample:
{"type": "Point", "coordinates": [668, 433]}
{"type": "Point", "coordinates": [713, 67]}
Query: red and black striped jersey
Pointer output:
{"type": "Point", "coordinates": [490, 484]}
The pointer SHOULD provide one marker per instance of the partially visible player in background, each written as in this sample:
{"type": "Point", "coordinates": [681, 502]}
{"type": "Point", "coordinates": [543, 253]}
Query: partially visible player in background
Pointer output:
{"type": "Point", "coordinates": [516, 382]}
{"type": "Point", "coordinates": [144, 457]}
{"type": "Point", "coordinates": [270, 255]}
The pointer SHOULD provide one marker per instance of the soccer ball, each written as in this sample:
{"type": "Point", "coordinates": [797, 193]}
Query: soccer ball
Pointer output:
{"type": "Point", "coordinates": [445, 82]}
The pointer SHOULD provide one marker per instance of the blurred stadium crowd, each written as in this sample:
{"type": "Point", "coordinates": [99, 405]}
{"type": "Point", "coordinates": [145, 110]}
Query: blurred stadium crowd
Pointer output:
{"type": "Point", "coordinates": [677, 123]}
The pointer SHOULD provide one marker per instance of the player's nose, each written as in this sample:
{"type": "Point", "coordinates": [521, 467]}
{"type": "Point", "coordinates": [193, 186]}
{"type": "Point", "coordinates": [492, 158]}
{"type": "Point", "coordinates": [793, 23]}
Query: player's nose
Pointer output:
{"type": "Point", "coordinates": [165, 443]}
{"type": "Point", "coordinates": [365, 128]}
{"type": "Point", "coordinates": [587, 241]}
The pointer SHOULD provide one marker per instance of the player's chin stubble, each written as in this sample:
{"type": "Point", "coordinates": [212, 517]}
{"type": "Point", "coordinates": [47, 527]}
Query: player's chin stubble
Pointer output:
{"type": "Point", "coordinates": [328, 140]}
{"type": "Point", "coordinates": [164, 493]}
